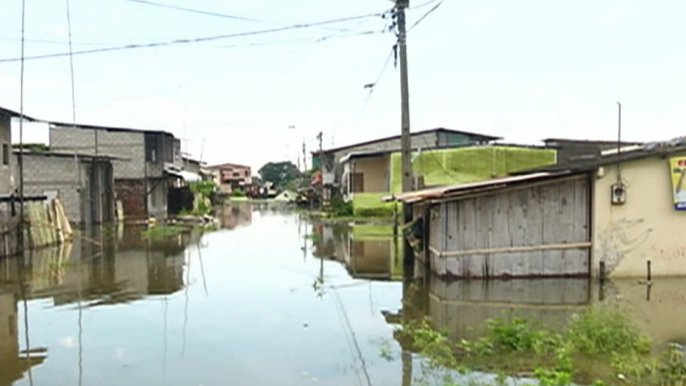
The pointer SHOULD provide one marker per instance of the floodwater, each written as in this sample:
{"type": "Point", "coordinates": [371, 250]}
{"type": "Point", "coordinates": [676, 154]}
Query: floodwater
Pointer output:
{"type": "Point", "coordinates": [268, 299]}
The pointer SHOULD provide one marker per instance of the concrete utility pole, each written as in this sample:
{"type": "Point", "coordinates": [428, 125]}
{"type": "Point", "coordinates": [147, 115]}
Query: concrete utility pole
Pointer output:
{"type": "Point", "coordinates": [405, 141]}
{"type": "Point", "coordinates": [321, 171]}
{"type": "Point", "coordinates": [304, 156]}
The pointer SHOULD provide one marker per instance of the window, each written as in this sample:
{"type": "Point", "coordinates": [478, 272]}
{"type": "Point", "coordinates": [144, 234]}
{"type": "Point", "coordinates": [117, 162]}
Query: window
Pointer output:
{"type": "Point", "coordinates": [151, 148]}
{"type": "Point", "coordinates": [236, 174]}
{"type": "Point", "coordinates": [357, 182]}
{"type": "Point", "coordinates": [5, 154]}
{"type": "Point", "coordinates": [247, 173]}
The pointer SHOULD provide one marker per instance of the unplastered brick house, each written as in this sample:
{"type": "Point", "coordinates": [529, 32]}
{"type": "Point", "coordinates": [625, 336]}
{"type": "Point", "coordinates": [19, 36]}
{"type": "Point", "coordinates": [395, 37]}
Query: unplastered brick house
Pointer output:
{"type": "Point", "coordinates": [147, 165]}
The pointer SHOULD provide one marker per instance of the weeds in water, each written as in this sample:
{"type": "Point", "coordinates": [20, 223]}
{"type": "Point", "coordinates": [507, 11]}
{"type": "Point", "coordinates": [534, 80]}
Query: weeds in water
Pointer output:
{"type": "Point", "coordinates": [605, 330]}
{"type": "Point", "coordinates": [602, 336]}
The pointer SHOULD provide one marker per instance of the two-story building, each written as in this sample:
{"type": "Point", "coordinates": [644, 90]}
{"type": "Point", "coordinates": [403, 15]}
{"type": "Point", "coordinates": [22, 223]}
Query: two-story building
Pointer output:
{"type": "Point", "coordinates": [231, 177]}
{"type": "Point", "coordinates": [147, 165]}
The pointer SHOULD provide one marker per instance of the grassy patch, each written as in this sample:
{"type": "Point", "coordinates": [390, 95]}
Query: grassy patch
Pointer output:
{"type": "Point", "coordinates": [597, 347]}
{"type": "Point", "coordinates": [159, 232]}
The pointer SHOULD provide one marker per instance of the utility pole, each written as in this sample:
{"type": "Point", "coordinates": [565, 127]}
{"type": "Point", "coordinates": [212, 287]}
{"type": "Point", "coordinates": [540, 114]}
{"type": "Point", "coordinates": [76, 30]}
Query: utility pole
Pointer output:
{"type": "Point", "coordinates": [321, 171]}
{"type": "Point", "coordinates": [304, 156]}
{"type": "Point", "coordinates": [405, 141]}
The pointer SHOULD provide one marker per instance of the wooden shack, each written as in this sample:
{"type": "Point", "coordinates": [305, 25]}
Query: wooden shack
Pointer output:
{"type": "Point", "coordinates": [536, 225]}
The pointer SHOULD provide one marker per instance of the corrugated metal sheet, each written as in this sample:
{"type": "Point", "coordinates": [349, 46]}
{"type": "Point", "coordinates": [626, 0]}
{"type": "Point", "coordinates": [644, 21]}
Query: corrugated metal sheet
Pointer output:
{"type": "Point", "coordinates": [448, 190]}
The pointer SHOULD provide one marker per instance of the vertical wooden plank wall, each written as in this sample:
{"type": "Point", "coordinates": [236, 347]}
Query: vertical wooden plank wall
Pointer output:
{"type": "Point", "coordinates": [552, 213]}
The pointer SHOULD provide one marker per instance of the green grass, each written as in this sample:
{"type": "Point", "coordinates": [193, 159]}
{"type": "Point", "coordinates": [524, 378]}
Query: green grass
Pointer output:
{"type": "Point", "coordinates": [159, 232]}
{"type": "Point", "coordinates": [372, 205]}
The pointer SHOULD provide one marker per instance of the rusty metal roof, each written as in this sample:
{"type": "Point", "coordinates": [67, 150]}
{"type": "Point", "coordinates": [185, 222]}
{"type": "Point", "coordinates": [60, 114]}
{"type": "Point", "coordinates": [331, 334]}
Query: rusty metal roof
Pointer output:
{"type": "Point", "coordinates": [450, 190]}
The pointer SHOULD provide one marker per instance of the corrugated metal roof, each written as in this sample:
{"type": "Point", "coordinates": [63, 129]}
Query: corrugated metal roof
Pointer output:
{"type": "Point", "coordinates": [438, 129]}
{"type": "Point", "coordinates": [14, 114]}
{"type": "Point", "coordinates": [449, 190]}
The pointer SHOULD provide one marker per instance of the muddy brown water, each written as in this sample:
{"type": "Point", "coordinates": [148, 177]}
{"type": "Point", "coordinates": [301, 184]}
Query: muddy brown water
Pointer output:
{"type": "Point", "coordinates": [269, 299]}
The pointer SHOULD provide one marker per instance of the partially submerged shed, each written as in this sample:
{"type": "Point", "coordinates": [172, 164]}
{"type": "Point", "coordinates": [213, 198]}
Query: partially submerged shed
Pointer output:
{"type": "Point", "coordinates": [523, 226]}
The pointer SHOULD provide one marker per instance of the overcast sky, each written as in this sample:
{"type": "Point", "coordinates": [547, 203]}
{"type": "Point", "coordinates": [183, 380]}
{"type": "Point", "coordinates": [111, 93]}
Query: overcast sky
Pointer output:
{"type": "Point", "coordinates": [524, 70]}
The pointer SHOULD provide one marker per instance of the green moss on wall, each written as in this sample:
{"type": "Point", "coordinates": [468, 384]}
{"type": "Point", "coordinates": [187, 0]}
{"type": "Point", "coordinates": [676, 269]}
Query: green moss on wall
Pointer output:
{"type": "Point", "coordinates": [469, 164]}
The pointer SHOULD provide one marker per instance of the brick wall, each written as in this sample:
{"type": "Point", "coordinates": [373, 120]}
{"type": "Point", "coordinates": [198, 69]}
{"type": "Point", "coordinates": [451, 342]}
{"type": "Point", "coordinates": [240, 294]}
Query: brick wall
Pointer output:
{"type": "Point", "coordinates": [122, 144]}
{"type": "Point", "coordinates": [132, 195]}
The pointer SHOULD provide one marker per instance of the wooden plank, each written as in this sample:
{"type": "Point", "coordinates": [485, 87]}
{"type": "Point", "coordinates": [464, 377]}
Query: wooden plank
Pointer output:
{"type": "Point", "coordinates": [484, 224]}
{"type": "Point", "coordinates": [453, 232]}
{"type": "Point", "coordinates": [581, 226]}
{"type": "Point", "coordinates": [552, 212]}
{"type": "Point", "coordinates": [472, 264]}
{"type": "Point", "coordinates": [501, 238]}
{"type": "Point", "coordinates": [534, 219]}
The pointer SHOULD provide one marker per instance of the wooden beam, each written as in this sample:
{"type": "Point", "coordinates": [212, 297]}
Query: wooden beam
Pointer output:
{"type": "Point", "coordinates": [525, 248]}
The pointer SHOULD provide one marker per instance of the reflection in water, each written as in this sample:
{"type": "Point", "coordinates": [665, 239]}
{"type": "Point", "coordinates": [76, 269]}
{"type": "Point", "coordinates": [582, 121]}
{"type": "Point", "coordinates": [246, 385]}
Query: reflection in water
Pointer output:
{"type": "Point", "coordinates": [15, 362]}
{"type": "Point", "coordinates": [85, 274]}
{"type": "Point", "coordinates": [232, 215]}
{"type": "Point", "coordinates": [367, 251]}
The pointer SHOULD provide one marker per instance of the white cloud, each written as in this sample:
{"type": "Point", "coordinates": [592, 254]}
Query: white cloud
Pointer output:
{"type": "Point", "coordinates": [68, 342]}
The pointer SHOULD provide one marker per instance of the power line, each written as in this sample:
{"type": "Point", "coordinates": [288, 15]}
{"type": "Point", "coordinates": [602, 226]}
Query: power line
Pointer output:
{"type": "Point", "coordinates": [425, 15]}
{"type": "Point", "coordinates": [48, 41]}
{"type": "Point", "coordinates": [197, 11]}
{"type": "Point", "coordinates": [192, 40]}
{"type": "Point", "coordinates": [394, 52]}
{"type": "Point", "coordinates": [372, 86]}
{"type": "Point", "coordinates": [207, 13]}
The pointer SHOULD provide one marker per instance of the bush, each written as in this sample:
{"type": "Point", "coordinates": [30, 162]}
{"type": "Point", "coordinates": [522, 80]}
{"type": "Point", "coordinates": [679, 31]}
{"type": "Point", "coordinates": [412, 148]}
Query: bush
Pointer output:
{"type": "Point", "coordinates": [204, 188]}
{"type": "Point", "coordinates": [605, 330]}
{"type": "Point", "coordinates": [237, 193]}
{"type": "Point", "coordinates": [341, 208]}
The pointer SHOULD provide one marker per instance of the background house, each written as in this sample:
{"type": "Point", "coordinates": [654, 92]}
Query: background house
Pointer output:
{"type": "Point", "coordinates": [8, 182]}
{"type": "Point", "coordinates": [330, 160]}
{"type": "Point", "coordinates": [569, 150]}
{"type": "Point", "coordinates": [145, 165]}
{"type": "Point", "coordinates": [231, 177]}
{"type": "Point", "coordinates": [367, 177]}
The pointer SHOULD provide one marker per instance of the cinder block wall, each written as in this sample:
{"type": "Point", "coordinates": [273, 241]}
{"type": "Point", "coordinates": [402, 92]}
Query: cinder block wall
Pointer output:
{"type": "Point", "coordinates": [6, 185]}
{"type": "Point", "coordinates": [122, 144]}
{"type": "Point", "coordinates": [43, 173]}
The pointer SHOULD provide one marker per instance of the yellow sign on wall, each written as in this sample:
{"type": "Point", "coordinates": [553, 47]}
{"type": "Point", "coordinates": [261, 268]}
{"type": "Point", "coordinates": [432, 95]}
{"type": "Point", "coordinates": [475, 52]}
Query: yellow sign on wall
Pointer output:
{"type": "Point", "coordinates": [677, 169]}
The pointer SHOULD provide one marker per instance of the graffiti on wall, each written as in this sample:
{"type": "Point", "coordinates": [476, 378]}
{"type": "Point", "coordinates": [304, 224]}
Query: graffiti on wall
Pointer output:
{"type": "Point", "coordinates": [619, 239]}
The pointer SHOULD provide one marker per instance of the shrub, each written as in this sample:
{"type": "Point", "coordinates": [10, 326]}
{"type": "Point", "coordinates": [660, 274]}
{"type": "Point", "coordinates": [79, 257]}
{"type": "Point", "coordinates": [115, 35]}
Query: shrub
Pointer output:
{"type": "Point", "coordinates": [341, 208]}
{"type": "Point", "coordinates": [604, 330]}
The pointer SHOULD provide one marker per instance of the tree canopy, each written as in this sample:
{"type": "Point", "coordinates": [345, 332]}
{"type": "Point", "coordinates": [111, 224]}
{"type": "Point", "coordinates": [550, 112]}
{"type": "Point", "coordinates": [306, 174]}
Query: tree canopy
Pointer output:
{"type": "Point", "coordinates": [281, 174]}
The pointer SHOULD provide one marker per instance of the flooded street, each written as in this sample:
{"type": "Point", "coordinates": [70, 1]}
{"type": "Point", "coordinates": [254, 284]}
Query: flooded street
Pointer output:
{"type": "Point", "coordinates": [268, 299]}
